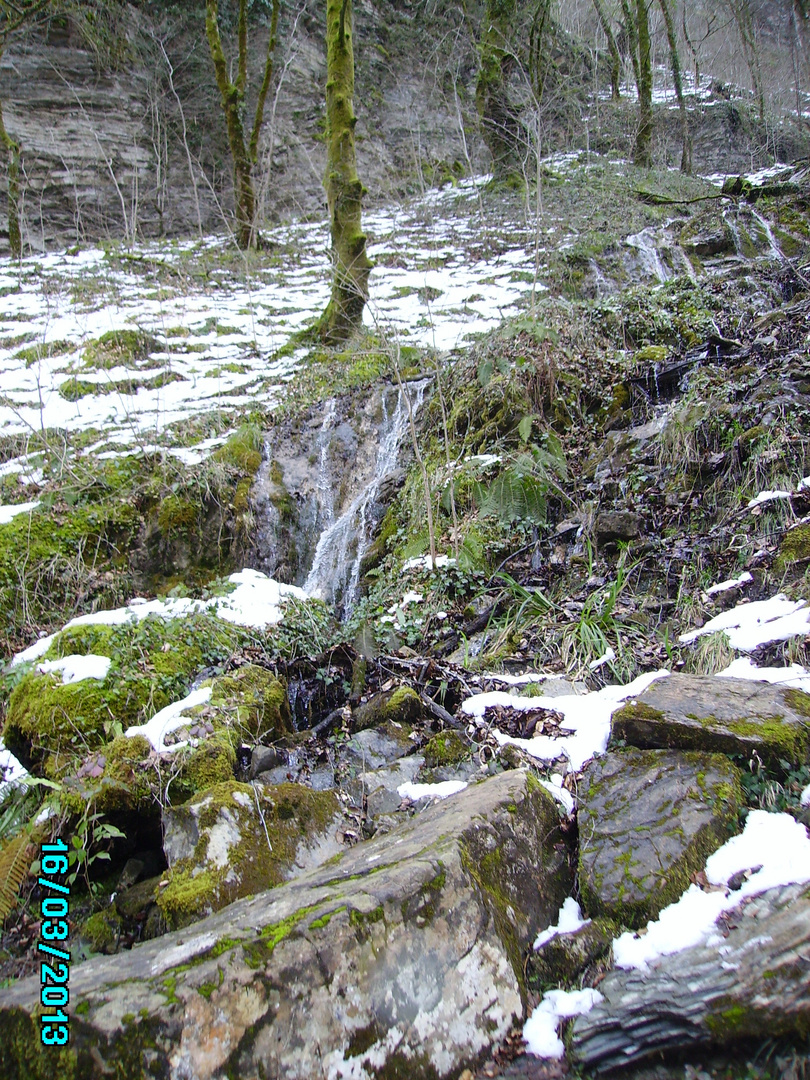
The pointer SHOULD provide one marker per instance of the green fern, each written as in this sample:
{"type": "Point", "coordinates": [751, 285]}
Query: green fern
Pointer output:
{"type": "Point", "coordinates": [15, 862]}
{"type": "Point", "coordinates": [513, 496]}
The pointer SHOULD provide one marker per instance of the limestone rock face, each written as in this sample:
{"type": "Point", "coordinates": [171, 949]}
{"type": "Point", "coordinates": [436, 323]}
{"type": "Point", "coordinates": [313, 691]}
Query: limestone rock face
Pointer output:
{"type": "Point", "coordinates": [754, 981]}
{"type": "Point", "coordinates": [730, 716]}
{"type": "Point", "coordinates": [402, 959]}
{"type": "Point", "coordinates": [647, 820]}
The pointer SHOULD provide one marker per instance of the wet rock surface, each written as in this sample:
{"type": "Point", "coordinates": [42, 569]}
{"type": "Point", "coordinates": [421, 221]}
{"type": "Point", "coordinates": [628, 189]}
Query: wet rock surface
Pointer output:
{"type": "Point", "coordinates": [648, 819]}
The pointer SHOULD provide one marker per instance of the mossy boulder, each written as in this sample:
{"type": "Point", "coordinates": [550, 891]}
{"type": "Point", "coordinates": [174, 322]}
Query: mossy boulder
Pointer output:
{"type": "Point", "coordinates": [422, 940]}
{"type": "Point", "coordinates": [402, 706]}
{"type": "Point", "coordinates": [730, 716]}
{"type": "Point", "coordinates": [446, 748]}
{"type": "Point", "coordinates": [236, 839]}
{"type": "Point", "coordinates": [253, 701]}
{"type": "Point", "coordinates": [154, 662]}
{"type": "Point", "coordinates": [795, 548]}
{"type": "Point", "coordinates": [102, 931]}
{"type": "Point", "coordinates": [560, 961]}
{"type": "Point", "coordinates": [647, 821]}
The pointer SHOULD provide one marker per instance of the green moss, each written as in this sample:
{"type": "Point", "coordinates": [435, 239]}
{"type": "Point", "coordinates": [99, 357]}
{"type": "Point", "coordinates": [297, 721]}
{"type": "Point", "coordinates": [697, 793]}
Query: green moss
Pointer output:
{"type": "Point", "coordinates": [366, 918]}
{"type": "Point", "coordinates": [795, 548]}
{"type": "Point", "coordinates": [326, 918]}
{"type": "Point", "coordinates": [119, 348]}
{"type": "Point", "coordinates": [43, 351]}
{"type": "Point", "coordinates": [292, 815]}
{"type": "Point", "coordinates": [254, 701]}
{"type": "Point", "coordinates": [636, 710]}
{"type": "Point", "coordinates": [22, 1055]}
{"type": "Point", "coordinates": [446, 748]}
{"type": "Point", "coordinates": [212, 762]}
{"type": "Point", "coordinates": [798, 700]}
{"type": "Point", "coordinates": [177, 515]}
{"type": "Point", "coordinates": [102, 930]}
{"type": "Point", "coordinates": [243, 449]}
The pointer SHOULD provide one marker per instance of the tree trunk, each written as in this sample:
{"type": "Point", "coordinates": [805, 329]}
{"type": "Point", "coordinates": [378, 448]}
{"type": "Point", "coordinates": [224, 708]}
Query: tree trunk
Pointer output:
{"type": "Point", "coordinates": [642, 153]}
{"type": "Point", "coordinates": [686, 153]}
{"type": "Point", "coordinates": [500, 125]}
{"type": "Point", "coordinates": [344, 192]}
{"type": "Point", "coordinates": [613, 49]}
{"type": "Point", "coordinates": [232, 96]}
{"type": "Point", "coordinates": [632, 38]}
{"type": "Point", "coordinates": [13, 156]}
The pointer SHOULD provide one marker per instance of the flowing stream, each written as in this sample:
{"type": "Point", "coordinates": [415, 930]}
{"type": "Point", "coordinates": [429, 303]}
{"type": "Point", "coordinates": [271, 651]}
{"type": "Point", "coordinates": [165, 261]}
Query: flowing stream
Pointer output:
{"type": "Point", "coordinates": [335, 569]}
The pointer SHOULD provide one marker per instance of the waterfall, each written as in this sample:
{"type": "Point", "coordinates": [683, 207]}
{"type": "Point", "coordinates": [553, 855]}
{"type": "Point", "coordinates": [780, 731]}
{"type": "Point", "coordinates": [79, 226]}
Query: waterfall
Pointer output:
{"type": "Point", "coordinates": [773, 247]}
{"type": "Point", "coordinates": [336, 567]}
{"type": "Point", "coordinates": [645, 245]}
{"type": "Point", "coordinates": [325, 487]}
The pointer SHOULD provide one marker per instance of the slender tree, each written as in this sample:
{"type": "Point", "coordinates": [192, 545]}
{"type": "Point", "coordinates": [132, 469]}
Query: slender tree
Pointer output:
{"type": "Point", "coordinates": [344, 192]}
{"type": "Point", "coordinates": [244, 151]}
{"type": "Point", "coordinates": [637, 24]}
{"type": "Point", "coordinates": [613, 49]}
{"type": "Point", "coordinates": [13, 16]}
{"type": "Point", "coordinates": [686, 152]}
{"type": "Point", "coordinates": [499, 121]}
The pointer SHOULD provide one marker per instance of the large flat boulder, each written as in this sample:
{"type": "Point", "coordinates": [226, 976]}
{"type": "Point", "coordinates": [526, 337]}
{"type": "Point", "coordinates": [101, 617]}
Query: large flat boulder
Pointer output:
{"type": "Point", "coordinates": [729, 716]}
{"type": "Point", "coordinates": [403, 958]}
{"type": "Point", "coordinates": [749, 982]}
{"type": "Point", "coordinates": [647, 820]}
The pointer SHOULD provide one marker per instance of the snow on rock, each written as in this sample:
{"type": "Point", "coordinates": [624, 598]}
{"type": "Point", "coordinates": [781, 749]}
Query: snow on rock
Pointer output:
{"type": "Point", "coordinates": [12, 772]}
{"type": "Point", "coordinates": [586, 716]}
{"type": "Point", "coordinates": [9, 512]}
{"type": "Point", "coordinates": [414, 792]}
{"type": "Point", "coordinates": [569, 919]}
{"type": "Point", "coordinates": [74, 668]}
{"type": "Point", "coordinates": [169, 719]}
{"type": "Point", "coordinates": [554, 787]}
{"type": "Point", "coordinates": [256, 601]}
{"type": "Point", "coordinates": [731, 583]}
{"type": "Point", "coordinates": [775, 848]}
{"type": "Point", "coordinates": [540, 1030]}
{"type": "Point", "coordinates": [744, 668]}
{"type": "Point", "coordinates": [748, 626]}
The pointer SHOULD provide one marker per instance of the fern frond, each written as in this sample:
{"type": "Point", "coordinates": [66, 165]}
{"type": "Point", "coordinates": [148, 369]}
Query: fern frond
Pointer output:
{"type": "Point", "coordinates": [15, 861]}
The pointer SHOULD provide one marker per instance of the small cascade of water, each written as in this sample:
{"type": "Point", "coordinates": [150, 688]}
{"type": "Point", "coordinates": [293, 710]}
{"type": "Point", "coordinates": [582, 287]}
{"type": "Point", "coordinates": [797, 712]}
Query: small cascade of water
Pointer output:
{"type": "Point", "coordinates": [602, 284]}
{"type": "Point", "coordinates": [336, 567]}
{"type": "Point", "coordinates": [324, 486]}
{"type": "Point", "coordinates": [734, 228]}
{"type": "Point", "coordinates": [774, 250]}
{"type": "Point", "coordinates": [647, 248]}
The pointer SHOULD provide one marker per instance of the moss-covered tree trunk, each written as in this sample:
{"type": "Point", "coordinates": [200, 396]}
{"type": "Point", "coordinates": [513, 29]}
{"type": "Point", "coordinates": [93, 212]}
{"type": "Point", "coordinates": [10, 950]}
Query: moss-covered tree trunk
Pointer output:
{"type": "Point", "coordinates": [232, 96]}
{"type": "Point", "coordinates": [642, 152]}
{"type": "Point", "coordinates": [499, 121]}
{"type": "Point", "coordinates": [12, 150]}
{"type": "Point", "coordinates": [344, 192]}
{"type": "Point", "coordinates": [613, 49]}
{"type": "Point", "coordinates": [686, 152]}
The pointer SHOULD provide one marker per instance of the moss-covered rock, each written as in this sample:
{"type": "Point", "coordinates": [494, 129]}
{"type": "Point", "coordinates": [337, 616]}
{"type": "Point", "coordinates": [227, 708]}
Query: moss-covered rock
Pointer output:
{"type": "Point", "coordinates": [731, 716]}
{"type": "Point", "coordinates": [254, 702]}
{"type": "Point", "coordinates": [560, 961]}
{"type": "Point", "coordinates": [446, 748]}
{"type": "Point", "coordinates": [795, 548]}
{"type": "Point", "coordinates": [102, 930]}
{"type": "Point", "coordinates": [236, 839]}
{"type": "Point", "coordinates": [647, 821]}
{"type": "Point", "coordinates": [402, 706]}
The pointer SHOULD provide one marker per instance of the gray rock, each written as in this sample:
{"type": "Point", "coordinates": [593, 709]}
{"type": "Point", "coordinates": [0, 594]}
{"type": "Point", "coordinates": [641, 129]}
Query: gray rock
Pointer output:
{"type": "Point", "coordinates": [731, 716]}
{"type": "Point", "coordinates": [377, 790]}
{"type": "Point", "coordinates": [755, 982]}
{"type": "Point", "coordinates": [404, 957]}
{"type": "Point", "coordinates": [647, 820]}
{"type": "Point", "coordinates": [375, 747]}
{"type": "Point", "coordinates": [613, 525]}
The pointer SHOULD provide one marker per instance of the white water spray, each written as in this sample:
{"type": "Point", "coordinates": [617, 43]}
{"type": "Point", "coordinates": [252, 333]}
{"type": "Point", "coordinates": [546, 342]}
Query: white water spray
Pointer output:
{"type": "Point", "coordinates": [341, 546]}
